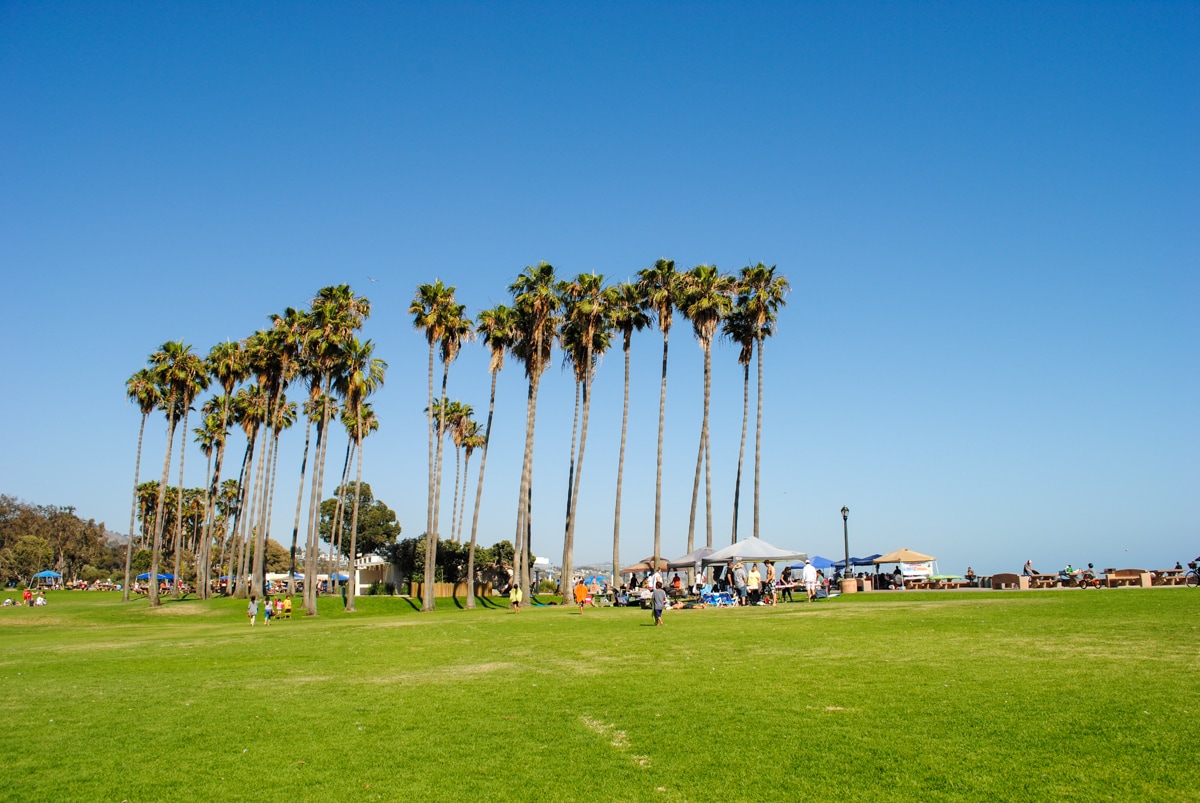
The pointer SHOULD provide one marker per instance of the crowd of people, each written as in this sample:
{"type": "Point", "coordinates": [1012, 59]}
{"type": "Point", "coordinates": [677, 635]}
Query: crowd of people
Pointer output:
{"type": "Point", "coordinates": [28, 598]}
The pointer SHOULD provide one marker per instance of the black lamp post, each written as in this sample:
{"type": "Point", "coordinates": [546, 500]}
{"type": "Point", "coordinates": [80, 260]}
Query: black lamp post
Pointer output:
{"type": "Point", "coordinates": [846, 538]}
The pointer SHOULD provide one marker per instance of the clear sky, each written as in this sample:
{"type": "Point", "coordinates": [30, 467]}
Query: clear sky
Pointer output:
{"type": "Point", "coordinates": [989, 214]}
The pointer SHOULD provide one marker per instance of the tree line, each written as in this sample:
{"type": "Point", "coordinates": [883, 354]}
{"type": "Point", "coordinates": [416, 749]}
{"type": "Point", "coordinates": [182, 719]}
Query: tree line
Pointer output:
{"type": "Point", "coordinates": [319, 350]}
{"type": "Point", "coordinates": [34, 538]}
{"type": "Point", "coordinates": [582, 316]}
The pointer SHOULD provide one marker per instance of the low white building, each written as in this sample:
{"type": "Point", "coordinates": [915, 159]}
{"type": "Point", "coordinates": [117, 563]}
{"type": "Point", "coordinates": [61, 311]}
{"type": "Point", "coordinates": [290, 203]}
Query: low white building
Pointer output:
{"type": "Point", "coordinates": [372, 569]}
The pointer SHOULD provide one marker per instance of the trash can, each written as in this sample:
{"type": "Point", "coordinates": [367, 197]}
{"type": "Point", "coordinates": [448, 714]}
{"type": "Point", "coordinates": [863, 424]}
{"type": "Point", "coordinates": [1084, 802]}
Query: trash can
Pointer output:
{"type": "Point", "coordinates": [849, 586]}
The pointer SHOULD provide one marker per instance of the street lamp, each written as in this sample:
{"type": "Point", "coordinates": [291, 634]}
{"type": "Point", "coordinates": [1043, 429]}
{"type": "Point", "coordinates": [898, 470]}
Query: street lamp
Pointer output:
{"type": "Point", "coordinates": [846, 538]}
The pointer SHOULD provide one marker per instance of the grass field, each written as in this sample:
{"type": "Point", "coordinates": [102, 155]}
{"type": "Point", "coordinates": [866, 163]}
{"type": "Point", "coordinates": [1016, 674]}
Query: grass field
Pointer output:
{"type": "Point", "coordinates": [889, 696]}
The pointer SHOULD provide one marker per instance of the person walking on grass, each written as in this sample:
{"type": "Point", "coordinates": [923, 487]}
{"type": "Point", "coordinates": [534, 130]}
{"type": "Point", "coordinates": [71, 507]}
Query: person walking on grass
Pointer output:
{"type": "Point", "coordinates": [809, 576]}
{"type": "Point", "coordinates": [268, 611]}
{"type": "Point", "coordinates": [252, 609]}
{"type": "Point", "coordinates": [659, 598]}
{"type": "Point", "coordinates": [514, 598]}
{"type": "Point", "coordinates": [581, 594]}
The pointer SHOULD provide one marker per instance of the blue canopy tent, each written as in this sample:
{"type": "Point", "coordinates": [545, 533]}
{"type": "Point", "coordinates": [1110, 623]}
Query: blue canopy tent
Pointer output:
{"type": "Point", "coordinates": [48, 575]}
{"type": "Point", "coordinates": [816, 560]}
{"type": "Point", "coordinates": [869, 560]}
{"type": "Point", "coordinates": [162, 577]}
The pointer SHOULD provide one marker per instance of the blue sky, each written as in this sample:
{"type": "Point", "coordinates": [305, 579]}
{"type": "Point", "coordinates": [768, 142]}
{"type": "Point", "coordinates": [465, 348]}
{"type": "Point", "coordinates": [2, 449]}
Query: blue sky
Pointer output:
{"type": "Point", "coordinates": [988, 213]}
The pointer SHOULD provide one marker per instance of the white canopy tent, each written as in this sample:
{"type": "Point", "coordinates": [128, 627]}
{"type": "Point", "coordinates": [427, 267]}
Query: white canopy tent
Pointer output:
{"type": "Point", "coordinates": [753, 549]}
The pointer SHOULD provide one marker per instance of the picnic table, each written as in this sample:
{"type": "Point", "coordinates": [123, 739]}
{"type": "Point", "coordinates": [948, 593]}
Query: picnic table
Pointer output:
{"type": "Point", "coordinates": [1169, 577]}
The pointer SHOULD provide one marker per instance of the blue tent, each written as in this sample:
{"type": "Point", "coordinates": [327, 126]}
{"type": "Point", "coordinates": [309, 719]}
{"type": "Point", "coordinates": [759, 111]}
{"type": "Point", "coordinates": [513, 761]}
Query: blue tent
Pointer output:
{"type": "Point", "coordinates": [341, 578]}
{"type": "Point", "coordinates": [816, 560]}
{"type": "Point", "coordinates": [46, 575]}
{"type": "Point", "coordinates": [869, 560]}
{"type": "Point", "coordinates": [161, 577]}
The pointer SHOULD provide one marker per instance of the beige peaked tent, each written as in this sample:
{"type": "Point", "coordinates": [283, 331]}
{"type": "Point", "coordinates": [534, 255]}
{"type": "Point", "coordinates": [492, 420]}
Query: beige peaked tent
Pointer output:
{"type": "Point", "coordinates": [904, 555]}
{"type": "Point", "coordinates": [644, 565]}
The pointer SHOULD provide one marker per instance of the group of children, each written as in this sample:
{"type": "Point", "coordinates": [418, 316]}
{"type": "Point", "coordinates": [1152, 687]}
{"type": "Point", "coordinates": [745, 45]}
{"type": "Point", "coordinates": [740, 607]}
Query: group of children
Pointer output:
{"type": "Point", "coordinates": [273, 608]}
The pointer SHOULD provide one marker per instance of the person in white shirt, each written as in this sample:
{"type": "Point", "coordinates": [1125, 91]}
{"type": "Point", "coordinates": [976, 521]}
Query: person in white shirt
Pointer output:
{"type": "Point", "coordinates": [809, 576]}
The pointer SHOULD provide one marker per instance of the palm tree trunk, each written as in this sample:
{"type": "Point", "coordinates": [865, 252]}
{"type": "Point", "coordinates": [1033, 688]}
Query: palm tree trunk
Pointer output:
{"type": "Point", "coordinates": [339, 512]}
{"type": "Point", "coordinates": [429, 417]}
{"type": "Point", "coordinates": [737, 485]}
{"type": "Point", "coordinates": [158, 505]}
{"type": "Point", "coordinates": [137, 470]}
{"type": "Point", "coordinates": [179, 510]}
{"type": "Point", "coordinates": [235, 544]}
{"type": "Point", "coordinates": [312, 553]}
{"type": "Point", "coordinates": [620, 474]}
{"type": "Point", "coordinates": [438, 455]}
{"type": "Point", "coordinates": [524, 529]}
{"type": "Point", "coordinates": [202, 531]}
{"type": "Point", "coordinates": [258, 520]}
{"type": "Point", "coordinates": [454, 500]}
{"type": "Point", "coordinates": [569, 540]}
{"type": "Point", "coordinates": [708, 514]}
{"type": "Point", "coordinates": [487, 436]}
{"type": "Point", "coordinates": [428, 603]}
{"type": "Point", "coordinates": [565, 578]}
{"type": "Point", "coordinates": [352, 582]}
{"type": "Point", "coordinates": [299, 503]}
{"type": "Point", "coordinates": [758, 436]}
{"type": "Point", "coordinates": [662, 418]}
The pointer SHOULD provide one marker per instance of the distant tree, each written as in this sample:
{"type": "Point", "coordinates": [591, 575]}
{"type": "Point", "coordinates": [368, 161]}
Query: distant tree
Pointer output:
{"type": "Point", "coordinates": [377, 524]}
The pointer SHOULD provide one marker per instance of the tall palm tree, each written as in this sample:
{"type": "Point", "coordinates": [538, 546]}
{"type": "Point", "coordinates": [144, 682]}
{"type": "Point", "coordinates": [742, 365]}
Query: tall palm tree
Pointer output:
{"type": "Point", "coordinates": [737, 328]}
{"type": "Point", "coordinates": [628, 316]}
{"type": "Point", "coordinates": [497, 328]}
{"type": "Point", "coordinates": [761, 295]}
{"type": "Point", "coordinates": [658, 287]}
{"type": "Point", "coordinates": [143, 390]}
{"type": "Point", "coordinates": [192, 378]}
{"type": "Point", "coordinates": [457, 330]}
{"type": "Point", "coordinates": [250, 412]}
{"type": "Point", "coordinates": [213, 435]}
{"type": "Point", "coordinates": [586, 336]}
{"type": "Point", "coordinates": [537, 318]}
{"type": "Point", "coordinates": [226, 364]}
{"type": "Point", "coordinates": [335, 315]}
{"type": "Point", "coordinates": [364, 376]}
{"type": "Point", "coordinates": [460, 420]}
{"type": "Point", "coordinates": [177, 367]}
{"type": "Point", "coordinates": [428, 309]}
{"type": "Point", "coordinates": [706, 298]}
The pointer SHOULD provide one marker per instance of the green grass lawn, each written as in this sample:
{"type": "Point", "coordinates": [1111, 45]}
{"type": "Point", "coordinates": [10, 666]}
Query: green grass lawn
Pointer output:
{"type": "Point", "coordinates": [892, 696]}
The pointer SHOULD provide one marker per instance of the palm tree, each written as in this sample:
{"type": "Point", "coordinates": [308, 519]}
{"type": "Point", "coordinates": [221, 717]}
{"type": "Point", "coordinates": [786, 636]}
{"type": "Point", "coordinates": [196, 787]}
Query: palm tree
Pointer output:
{"type": "Point", "coordinates": [364, 377]}
{"type": "Point", "coordinates": [761, 295]}
{"type": "Point", "coordinates": [537, 316]}
{"type": "Point", "coordinates": [586, 336]}
{"type": "Point", "coordinates": [177, 368]}
{"type": "Point", "coordinates": [336, 313]}
{"type": "Point", "coordinates": [213, 435]}
{"type": "Point", "coordinates": [192, 377]}
{"type": "Point", "coordinates": [143, 389]}
{"type": "Point", "coordinates": [460, 421]}
{"type": "Point", "coordinates": [428, 309]}
{"type": "Point", "coordinates": [250, 411]}
{"type": "Point", "coordinates": [497, 328]}
{"type": "Point", "coordinates": [658, 287]}
{"type": "Point", "coordinates": [227, 365]}
{"type": "Point", "coordinates": [471, 439]}
{"type": "Point", "coordinates": [706, 298]}
{"type": "Point", "coordinates": [628, 316]}
{"type": "Point", "coordinates": [457, 329]}
{"type": "Point", "coordinates": [737, 328]}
